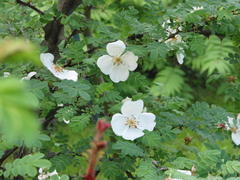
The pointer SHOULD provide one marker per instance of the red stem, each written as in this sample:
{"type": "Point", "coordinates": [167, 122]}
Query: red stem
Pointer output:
{"type": "Point", "coordinates": [96, 147]}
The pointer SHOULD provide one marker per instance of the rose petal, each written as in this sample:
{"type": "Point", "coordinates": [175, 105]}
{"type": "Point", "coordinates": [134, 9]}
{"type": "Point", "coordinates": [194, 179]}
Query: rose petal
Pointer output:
{"type": "Point", "coordinates": [116, 48]}
{"type": "Point", "coordinates": [130, 108]}
{"type": "Point", "coordinates": [105, 63]}
{"type": "Point", "coordinates": [236, 137]}
{"type": "Point", "coordinates": [132, 133]}
{"type": "Point", "coordinates": [47, 59]}
{"type": "Point", "coordinates": [180, 57]}
{"type": "Point", "coordinates": [66, 74]}
{"type": "Point", "coordinates": [118, 124]}
{"type": "Point", "coordinates": [119, 73]}
{"type": "Point", "coordinates": [146, 121]}
{"type": "Point", "coordinates": [230, 122]}
{"type": "Point", "coordinates": [130, 59]}
{"type": "Point", "coordinates": [29, 76]}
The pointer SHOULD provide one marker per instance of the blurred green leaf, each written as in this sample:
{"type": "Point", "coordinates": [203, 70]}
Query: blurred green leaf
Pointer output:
{"type": "Point", "coordinates": [17, 50]}
{"type": "Point", "coordinates": [17, 117]}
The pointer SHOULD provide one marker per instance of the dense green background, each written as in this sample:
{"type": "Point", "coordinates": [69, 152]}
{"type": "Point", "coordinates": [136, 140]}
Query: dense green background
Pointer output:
{"type": "Point", "coordinates": [181, 96]}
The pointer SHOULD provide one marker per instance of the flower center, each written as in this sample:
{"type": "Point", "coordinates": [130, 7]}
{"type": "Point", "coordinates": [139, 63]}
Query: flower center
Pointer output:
{"type": "Point", "coordinates": [57, 68]}
{"type": "Point", "coordinates": [117, 60]}
{"type": "Point", "coordinates": [234, 129]}
{"type": "Point", "coordinates": [131, 122]}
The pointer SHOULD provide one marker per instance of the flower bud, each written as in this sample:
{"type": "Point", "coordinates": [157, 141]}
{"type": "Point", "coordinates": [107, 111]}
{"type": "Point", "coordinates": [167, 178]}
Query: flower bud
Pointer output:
{"type": "Point", "coordinates": [221, 125]}
{"type": "Point", "coordinates": [102, 125]}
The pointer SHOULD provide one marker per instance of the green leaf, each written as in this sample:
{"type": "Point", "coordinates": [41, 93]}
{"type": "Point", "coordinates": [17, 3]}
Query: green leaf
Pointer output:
{"type": "Point", "coordinates": [111, 170]}
{"type": "Point", "coordinates": [128, 148]}
{"type": "Point", "coordinates": [146, 170]}
{"type": "Point", "coordinates": [26, 166]}
{"type": "Point", "coordinates": [17, 118]}
{"type": "Point", "coordinates": [61, 162]}
{"type": "Point", "coordinates": [17, 50]}
{"type": "Point", "coordinates": [79, 123]}
{"type": "Point", "coordinates": [230, 168]}
{"type": "Point", "coordinates": [74, 89]}
{"type": "Point", "coordinates": [208, 161]}
{"type": "Point", "coordinates": [168, 82]}
{"type": "Point", "coordinates": [152, 139]}
{"type": "Point", "coordinates": [213, 58]}
{"type": "Point", "coordinates": [183, 163]}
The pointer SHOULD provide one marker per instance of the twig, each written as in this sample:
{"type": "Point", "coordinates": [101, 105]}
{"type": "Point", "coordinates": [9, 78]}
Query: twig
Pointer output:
{"type": "Point", "coordinates": [7, 153]}
{"type": "Point", "coordinates": [30, 6]}
{"type": "Point", "coordinates": [74, 32]}
{"type": "Point", "coordinates": [49, 118]}
{"type": "Point", "coordinates": [54, 30]}
{"type": "Point", "coordinates": [87, 31]}
{"type": "Point", "coordinates": [87, 14]}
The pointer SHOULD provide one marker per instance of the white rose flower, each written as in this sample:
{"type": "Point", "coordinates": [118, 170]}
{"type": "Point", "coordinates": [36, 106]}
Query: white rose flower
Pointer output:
{"type": "Point", "coordinates": [132, 120]}
{"type": "Point", "coordinates": [29, 76]}
{"type": "Point", "coordinates": [234, 127]}
{"type": "Point", "coordinates": [116, 64]}
{"type": "Point", "coordinates": [57, 71]}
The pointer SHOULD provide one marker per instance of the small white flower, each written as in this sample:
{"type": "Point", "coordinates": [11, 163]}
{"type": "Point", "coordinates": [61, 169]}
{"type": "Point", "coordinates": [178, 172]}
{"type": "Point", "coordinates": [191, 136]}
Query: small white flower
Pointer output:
{"type": "Point", "coordinates": [6, 74]}
{"type": "Point", "coordinates": [59, 72]}
{"type": "Point", "coordinates": [180, 58]}
{"type": "Point", "coordinates": [185, 172]}
{"type": "Point", "coordinates": [132, 120]}
{"type": "Point", "coordinates": [180, 55]}
{"type": "Point", "coordinates": [169, 29]}
{"type": "Point", "coordinates": [234, 126]}
{"type": "Point", "coordinates": [116, 64]}
{"type": "Point", "coordinates": [60, 105]}
{"type": "Point", "coordinates": [66, 121]}
{"type": "Point", "coordinates": [29, 76]}
{"type": "Point", "coordinates": [196, 8]}
{"type": "Point", "coordinates": [43, 176]}
{"type": "Point", "coordinates": [174, 40]}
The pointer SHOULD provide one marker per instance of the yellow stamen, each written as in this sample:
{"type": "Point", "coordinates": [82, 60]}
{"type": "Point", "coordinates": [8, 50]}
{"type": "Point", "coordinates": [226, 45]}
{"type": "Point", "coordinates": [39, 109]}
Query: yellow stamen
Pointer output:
{"type": "Point", "coordinates": [132, 123]}
{"type": "Point", "coordinates": [234, 130]}
{"type": "Point", "coordinates": [117, 60]}
{"type": "Point", "coordinates": [174, 38]}
{"type": "Point", "coordinates": [58, 68]}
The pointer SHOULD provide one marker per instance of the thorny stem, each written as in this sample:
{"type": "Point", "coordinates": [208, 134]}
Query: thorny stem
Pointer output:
{"type": "Point", "coordinates": [96, 146]}
{"type": "Point", "coordinates": [30, 6]}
